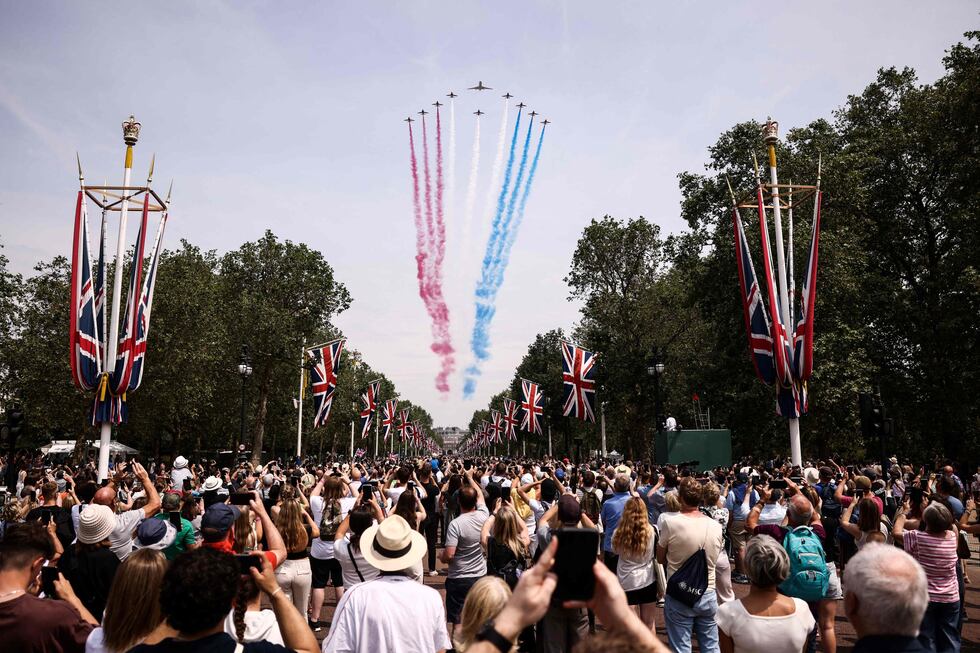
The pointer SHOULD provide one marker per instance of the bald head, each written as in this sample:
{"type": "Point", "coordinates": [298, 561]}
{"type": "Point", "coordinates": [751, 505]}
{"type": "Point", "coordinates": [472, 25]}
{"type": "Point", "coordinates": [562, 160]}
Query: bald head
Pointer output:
{"type": "Point", "coordinates": [105, 496]}
{"type": "Point", "coordinates": [799, 511]}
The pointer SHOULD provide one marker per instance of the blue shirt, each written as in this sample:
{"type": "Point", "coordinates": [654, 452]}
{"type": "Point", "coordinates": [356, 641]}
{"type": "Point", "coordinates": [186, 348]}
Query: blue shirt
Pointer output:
{"type": "Point", "coordinates": [612, 511]}
{"type": "Point", "coordinates": [957, 507]}
{"type": "Point", "coordinates": [738, 510]}
{"type": "Point", "coordinates": [651, 509]}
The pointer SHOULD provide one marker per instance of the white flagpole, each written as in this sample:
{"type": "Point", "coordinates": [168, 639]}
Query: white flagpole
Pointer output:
{"type": "Point", "coordinates": [130, 136]}
{"type": "Point", "coordinates": [352, 440]}
{"type": "Point", "coordinates": [602, 425]}
{"type": "Point", "coordinates": [771, 138]}
{"type": "Point", "coordinates": [550, 455]}
{"type": "Point", "coordinates": [377, 424]}
{"type": "Point", "coordinates": [299, 416]}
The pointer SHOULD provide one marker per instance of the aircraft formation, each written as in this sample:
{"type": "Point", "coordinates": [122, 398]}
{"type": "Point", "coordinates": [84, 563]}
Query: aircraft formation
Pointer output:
{"type": "Point", "coordinates": [479, 87]}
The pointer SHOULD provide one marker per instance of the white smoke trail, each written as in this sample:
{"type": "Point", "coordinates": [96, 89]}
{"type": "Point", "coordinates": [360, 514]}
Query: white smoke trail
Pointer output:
{"type": "Point", "coordinates": [471, 195]}
{"type": "Point", "coordinates": [498, 164]}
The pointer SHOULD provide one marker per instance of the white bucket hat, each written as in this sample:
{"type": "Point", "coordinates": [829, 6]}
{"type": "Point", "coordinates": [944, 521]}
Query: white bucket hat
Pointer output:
{"type": "Point", "coordinates": [211, 483]}
{"type": "Point", "coordinates": [95, 523]}
{"type": "Point", "coordinates": [180, 462]}
{"type": "Point", "coordinates": [392, 545]}
{"type": "Point", "coordinates": [812, 475]}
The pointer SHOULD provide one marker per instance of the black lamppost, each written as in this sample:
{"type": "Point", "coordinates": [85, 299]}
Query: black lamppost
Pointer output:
{"type": "Point", "coordinates": [655, 368]}
{"type": "Point", "coordinates": [245, 371]}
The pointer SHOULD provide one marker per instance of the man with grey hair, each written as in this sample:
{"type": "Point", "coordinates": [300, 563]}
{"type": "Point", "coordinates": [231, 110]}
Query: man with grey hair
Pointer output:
{"type": "Point", "coordinates": [886, 599]}
{"type": "Point", "coordinates": [800, 512]}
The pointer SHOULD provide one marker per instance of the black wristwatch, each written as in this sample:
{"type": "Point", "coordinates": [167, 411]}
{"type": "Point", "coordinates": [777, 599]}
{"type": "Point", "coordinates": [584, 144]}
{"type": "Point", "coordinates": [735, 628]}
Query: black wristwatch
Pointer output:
{"type": "Point", "coordinates": [489, 634]}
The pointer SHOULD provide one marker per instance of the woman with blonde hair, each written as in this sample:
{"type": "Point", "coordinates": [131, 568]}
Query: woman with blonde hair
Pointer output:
{"type": "Point", "coordinates": [294, 574]}
{"type": "Point", "coordinates": [484, 601]}
{"type": "Point", "coordinates": [869, 527]}
{"type": "Point", "coordinates": [132, 612]}
{"type": "Point", "coordinates": [634, 541]}
{"type": "Point", "coordinates": [505, 542]}
{"type": "Point", "coordinates": [248, 531]}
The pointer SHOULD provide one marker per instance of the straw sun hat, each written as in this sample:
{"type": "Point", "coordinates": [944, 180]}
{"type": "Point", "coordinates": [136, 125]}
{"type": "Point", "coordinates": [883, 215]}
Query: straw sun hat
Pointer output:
{"type": "Point", "coordinates": [392, 545]}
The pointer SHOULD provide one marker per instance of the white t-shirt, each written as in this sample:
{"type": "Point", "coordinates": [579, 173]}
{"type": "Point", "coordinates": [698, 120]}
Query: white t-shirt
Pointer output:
{"type": "Point", "coordinates": [636, 573]}
{"type": "Point", "coordinates": [121, 538]}
{"type": "Point", "coordinates": [392, 614]}
{"type": "Point", "coordinates": [260, 626]}
{"type": "Point", "coordinates": [178, 476]}
{"type": "Point", "coordinates": [347, 556]}
{"type": "Point", "coordinates": [771, 634]}
{"type": "Point", "coordinates": [320, 549]}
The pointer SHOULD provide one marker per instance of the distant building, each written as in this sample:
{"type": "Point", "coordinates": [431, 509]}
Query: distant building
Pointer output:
{"type": "Point", "coordinates": [451, 436]}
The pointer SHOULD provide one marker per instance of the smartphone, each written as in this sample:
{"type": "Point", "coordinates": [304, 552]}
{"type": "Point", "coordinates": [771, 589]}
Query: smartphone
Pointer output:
{"type": "Point", "coordinates": [467, 464]}
{"type": "Point", "coordinates": [175, 520]}
{"type": "Point", "coordinates": [924, 484]}
{"type": "Point", "coordinates": [293, 481]}
{"type": "Point", "coordinates": [45, 517]}
{"type": "Point", "coordinates": [577, 549]}
{"type": "Point", "coordinates": [778, 484]}
{"type": "Point", "coordinates": [367, 489]}
{"type": "Point", "coordinates": [48, 576]}
{"type": "Point", "coordinates": [246, 561]}
{"type": "Point", "coordinates": [915, 496]}
{"type": "Point", "coordinates": [187, 485]}
{"type": "Point", "coordinates": [241, 498]}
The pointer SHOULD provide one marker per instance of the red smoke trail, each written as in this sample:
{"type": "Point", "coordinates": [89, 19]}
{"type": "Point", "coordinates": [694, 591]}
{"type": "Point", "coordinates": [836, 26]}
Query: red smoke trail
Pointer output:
{"type": "Point", "coordinates": [427, 269]}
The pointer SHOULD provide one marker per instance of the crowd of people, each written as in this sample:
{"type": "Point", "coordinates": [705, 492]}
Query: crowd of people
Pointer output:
{"type": "Point", "coordinates": [537, 555]}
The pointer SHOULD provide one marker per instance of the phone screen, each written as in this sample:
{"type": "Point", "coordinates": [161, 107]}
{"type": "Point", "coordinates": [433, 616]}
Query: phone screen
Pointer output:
{"type": "Point", "coordinates": [577, 548]}
{"type": "Point", "coordinates": [241, 498]}
{"type": "Point", "coordinates": [187, 485]}
{"type": "Point", "coordinates": [246, 561]}
{"type": "Point", "coordinates": [175, 520]}
{"type": "Point", "coordinates": [48, 576]}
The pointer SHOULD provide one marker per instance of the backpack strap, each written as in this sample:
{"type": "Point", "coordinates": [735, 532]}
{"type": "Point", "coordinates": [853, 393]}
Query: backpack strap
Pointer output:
{"type": "Point", "coordinates": [353, 559]}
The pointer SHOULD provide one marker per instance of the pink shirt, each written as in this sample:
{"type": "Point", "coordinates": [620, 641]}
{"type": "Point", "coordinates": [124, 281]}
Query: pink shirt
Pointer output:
{"type": "Point", "coordinates": [937, 555]}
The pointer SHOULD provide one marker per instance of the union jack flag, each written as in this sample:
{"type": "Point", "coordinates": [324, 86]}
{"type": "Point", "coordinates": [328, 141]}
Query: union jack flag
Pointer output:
{"type": "Point", "coordinates": [370, 399]}
{"type": "Point", "coordinates": [145, 306]}
{"type": "Point", "coordinates": [325, 367]}
{"type": "Point", "coordinates": [510, 419]}
{"type": "Point", "coordinates": [123, 371]}
{"type": "Point", "coordinates": [578, 373]}
{"type": "Point", "coordinates": [404, 427]}
{"type": "Point", "coordinates": [485, 433]}
{"type": "Point", "coordinates": [388, 414]}
{"type": "Point", "coordinates": [417, 433]}
{"type": "Point", "coordinates": [803, 340]}
{"type": "Point", "coordinates": [782, 349]}
{"type": "Point", "coordinates": [494, 429]}
{"type": "Point", "coordinates": [84, 334]}
{"type": "Point", "coordinates": [532, 407]}
{"type": "Point", "coordinates": [753, 308]}
{"type": "Point", "coordinates": [359, 453]}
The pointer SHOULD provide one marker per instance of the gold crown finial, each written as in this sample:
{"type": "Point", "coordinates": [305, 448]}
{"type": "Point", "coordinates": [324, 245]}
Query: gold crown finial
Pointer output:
{"type": "Point", "coordinates": [770, 131]}
{"type": "Point", "coordinates": [131, 131]}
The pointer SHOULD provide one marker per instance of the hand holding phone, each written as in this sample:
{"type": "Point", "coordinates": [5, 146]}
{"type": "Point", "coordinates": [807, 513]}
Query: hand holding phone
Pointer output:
{"type": "Point", "coordinates": [247, 561]}
{"type": "Point", "coordinates": [241, 498]}
{"type": "Point", "coordinates": [48, 576]}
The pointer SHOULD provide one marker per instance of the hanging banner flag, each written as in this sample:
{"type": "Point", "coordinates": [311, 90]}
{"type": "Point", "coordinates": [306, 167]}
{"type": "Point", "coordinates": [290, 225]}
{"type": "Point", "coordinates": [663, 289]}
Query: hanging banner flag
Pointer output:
{"type": "Point", "coordinates": [532, 407]}
{"type": "Point", "coordinates": [404, 426]}
{"type": "Point", "coordinates": [803, 340]}
{"type": "Point", "coordinates": [388, 417]}
{"type": "Point", "coordinates": [124, 356]}
{"type": "Point", "coordinates": [145, 306]}
{"type": "Point", "coordinates": [370, 399]}
{"type": "Point", "coordinates": [510, 419]}
{"type": "Point", "coordinates": [578, 374]}
{"type": "Point", "coordinates": [494, 430]}
{"type": "Point", "coordinates": [323, 378]}
{"type": "Point", "coordinates": [753, 308]}
{"type": "Point", "coordinates": [83, 334]}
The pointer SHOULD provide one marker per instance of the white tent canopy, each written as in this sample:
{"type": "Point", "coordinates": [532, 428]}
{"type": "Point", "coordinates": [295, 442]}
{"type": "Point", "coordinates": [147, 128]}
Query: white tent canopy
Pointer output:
{"type": "Point", "coordinates": [68, 446]}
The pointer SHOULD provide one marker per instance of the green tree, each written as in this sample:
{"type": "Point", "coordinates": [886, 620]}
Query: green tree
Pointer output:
{"type": "Point", "coordinates": [277, 294]}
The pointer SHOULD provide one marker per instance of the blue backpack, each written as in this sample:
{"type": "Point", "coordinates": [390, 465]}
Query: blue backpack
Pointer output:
{"type": "Point", "coordinates": [808, 577]}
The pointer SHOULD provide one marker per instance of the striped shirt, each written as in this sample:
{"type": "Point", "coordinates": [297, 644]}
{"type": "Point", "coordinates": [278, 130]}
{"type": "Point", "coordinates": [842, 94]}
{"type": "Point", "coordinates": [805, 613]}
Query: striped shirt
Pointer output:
{"type": "Point", "coordinates": [937, 555]}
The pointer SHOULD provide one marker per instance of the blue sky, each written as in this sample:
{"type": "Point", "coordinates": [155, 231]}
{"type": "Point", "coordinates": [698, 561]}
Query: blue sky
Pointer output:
{"type": "Point", "coordinates": [287, 115]}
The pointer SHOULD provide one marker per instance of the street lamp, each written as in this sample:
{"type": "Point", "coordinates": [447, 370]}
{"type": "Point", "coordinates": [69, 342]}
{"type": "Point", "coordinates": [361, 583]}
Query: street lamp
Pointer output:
{"type": "Point", "coordinates": [244, 371]}
{"type": "Point", "coordinates": [655, 368]}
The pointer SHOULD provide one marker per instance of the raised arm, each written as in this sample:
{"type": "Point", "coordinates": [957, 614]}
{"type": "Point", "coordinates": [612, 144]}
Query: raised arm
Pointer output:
{"type": "Point", "coordinates": [753, 519]}
{"type": "Point", "coordinates": [152, 506]}
{"type": "Point", "coordinates": [272, 536]}
{"type": "Point", "coordinates": [296, 634]}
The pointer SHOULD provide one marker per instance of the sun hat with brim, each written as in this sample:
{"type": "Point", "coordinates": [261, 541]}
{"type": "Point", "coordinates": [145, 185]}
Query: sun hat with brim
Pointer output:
{"type": "Point", "coordinates": [180, 462]}
{"type": "Point", "coordinates": [392, 545]}
{"type": "Point", "coordinates": [812, 475]}
{"type": "Point", "coordinates": [95, 524]}
{"type": "Point", "coordinates": [211, 483]}
{"type": "Point", "coordinates": [156, 534]}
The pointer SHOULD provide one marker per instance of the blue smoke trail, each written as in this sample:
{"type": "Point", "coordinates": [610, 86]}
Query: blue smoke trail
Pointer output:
{"type": "Point", "coordinates": [507, 231]}
{"type": "Point", "coordinates": [512, 235]}
{"type": "Point", "coordinates": [484, 314]}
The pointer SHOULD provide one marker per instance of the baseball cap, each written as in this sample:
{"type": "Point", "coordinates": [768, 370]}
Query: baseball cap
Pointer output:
{"type": "Point", "coordinates": [218, 518]}
{"type": "Point", "coordinates": [156, 534]}
{"type": "Point", "coordinates": [569, 509]}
